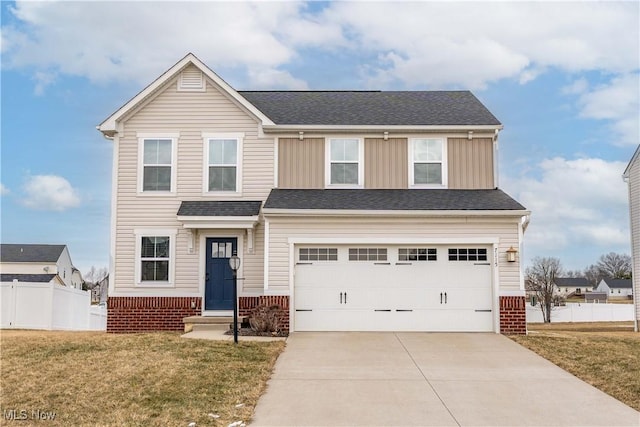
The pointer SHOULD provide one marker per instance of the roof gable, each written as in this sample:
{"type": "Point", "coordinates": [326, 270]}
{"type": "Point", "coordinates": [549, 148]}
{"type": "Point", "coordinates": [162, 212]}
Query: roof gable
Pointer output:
{"type": "Point", "coordinates": [109, 126]}
{"type": "Point", "coordinates": [30, 253]}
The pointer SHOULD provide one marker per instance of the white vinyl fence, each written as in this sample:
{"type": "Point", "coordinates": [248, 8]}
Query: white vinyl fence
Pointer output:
{"type": "Point", "coordinates": [48, 306]}
{"type": "Point", "coordinates": [583, 312]}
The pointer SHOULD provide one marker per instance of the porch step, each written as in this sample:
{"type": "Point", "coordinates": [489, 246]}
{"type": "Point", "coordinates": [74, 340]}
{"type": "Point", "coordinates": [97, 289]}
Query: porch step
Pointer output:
{"type": "Point", "coordinates": [208, 323]}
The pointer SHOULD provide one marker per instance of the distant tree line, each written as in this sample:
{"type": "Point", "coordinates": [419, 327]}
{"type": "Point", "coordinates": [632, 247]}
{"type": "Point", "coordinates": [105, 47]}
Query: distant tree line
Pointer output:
{"type": "Point", "coordinates": [540, 276]}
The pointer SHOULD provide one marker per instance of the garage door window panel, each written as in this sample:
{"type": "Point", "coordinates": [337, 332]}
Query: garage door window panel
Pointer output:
{"type": "Point", "coordinates": [417, 254]}
{"type": "Point", "coordinates": [367, 254]}
{"type": "Point", "coordinates": [467, 254]}
{"type": "Point", "coordinates": [318, 254]}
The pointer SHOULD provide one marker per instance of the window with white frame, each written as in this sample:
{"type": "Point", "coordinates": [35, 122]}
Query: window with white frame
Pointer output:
{"type": "Point", "coordinates": [222, 164]}
{"type": "Point", "coordinates": [427, 162]}
{"type": "Point", "coordinates": [345, 162]}
{"type": "Point", "coordinates": [155, 257]}
{"type": "Point", "coordinates": [157, 164]}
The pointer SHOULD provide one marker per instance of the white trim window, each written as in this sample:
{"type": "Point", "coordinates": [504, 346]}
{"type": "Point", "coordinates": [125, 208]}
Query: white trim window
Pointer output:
{"type": "Point", "coordinates": [157, 170]}
{"type": "Point", "coordinates": [427, 163]}
{"type": "Point", "coordinates": [344, 162]}
{"type": "Point", "coordinates": [222, 164]}
{"type": "Point", "coordinates": [155, 257]}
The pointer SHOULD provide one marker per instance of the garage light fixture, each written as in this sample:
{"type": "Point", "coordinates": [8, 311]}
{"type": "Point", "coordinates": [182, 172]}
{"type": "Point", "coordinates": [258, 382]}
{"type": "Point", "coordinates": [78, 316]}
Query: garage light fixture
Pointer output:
{"type": "Point", "coordinates": [511, 254]}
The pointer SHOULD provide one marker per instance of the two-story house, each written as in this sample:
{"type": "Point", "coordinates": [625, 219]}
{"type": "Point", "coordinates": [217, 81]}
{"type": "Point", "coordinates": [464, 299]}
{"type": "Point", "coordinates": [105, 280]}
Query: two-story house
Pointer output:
{"type": "Point", "coordinates": [351, 210]}
{"type": "Point", "coordinates": [38, 263]}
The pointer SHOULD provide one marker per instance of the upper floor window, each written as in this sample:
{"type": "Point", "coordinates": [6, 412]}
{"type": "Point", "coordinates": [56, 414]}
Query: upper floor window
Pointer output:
{"type": "Point", "coordinates": [157, 164]}
{"type": "Point", "coordinates": [222, 163]}
{"type": "Point", "coordinates": [344, 161]}
{"type": "Point", "coordinates": [427, 162]}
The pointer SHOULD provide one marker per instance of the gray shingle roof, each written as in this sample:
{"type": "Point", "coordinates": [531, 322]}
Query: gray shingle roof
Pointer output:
{"type": "Point", "coordinates": [219, 208]}
{"type": "Point", "coordinates": [392, 200]}
{"type": "Point", "coordinates": [619, 283]}
{"type": "Point", "coordinates": [415, 108]}
{"type": "Point", "coordinates": [10, 252]}
{"type": "Point", "coordinates": [33, 278]}
{"type": "Point", "coordinates": [572, 281]}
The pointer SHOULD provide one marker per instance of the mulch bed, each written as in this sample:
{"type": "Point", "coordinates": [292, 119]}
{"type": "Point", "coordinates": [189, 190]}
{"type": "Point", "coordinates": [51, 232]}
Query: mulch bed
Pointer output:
{"type": "Point", "coordinates": [248, 332]}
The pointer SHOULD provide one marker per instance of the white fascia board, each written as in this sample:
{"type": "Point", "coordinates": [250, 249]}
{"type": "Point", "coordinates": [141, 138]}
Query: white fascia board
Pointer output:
{"type": "Point", "coordinates": [247, 222]}
{"type": "Point", "coordinates": [273, 128]}
{"type": "Point", "coordinates": [109, 126]}
{"type": "Point", "coordinates": [270, 212]}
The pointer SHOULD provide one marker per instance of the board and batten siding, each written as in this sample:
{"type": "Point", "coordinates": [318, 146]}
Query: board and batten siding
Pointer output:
{"type": "Point", "coordinates": [470, 163]}
{"type": "Point", "coordinates": [189, 113]}
{"type": "Point", "coordinates": [386, 163]}
{"type": "Point", "coordinates": [634, 214]}
{"type": "Point", "coordinates": [393, 229]}
{"type": "Point", "coordinates": [301, 163]}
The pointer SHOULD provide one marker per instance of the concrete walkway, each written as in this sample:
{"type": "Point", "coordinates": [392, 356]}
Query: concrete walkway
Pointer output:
{"type": "Point", "coordinates": [427, 379]}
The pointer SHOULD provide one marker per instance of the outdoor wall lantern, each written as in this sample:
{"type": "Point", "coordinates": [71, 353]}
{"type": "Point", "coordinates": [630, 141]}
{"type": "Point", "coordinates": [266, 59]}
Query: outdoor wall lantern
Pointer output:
{"type": "Point", "coordinates": [511, 254]}
{"type": "Point", "coordinates": [234, 263]}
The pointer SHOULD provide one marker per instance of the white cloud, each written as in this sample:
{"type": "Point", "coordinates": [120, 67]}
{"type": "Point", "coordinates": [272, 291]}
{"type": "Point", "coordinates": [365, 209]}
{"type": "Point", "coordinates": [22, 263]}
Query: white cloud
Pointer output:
{"type": "Point", "coordinates": [433, 44]}
{"type": "Point", "coordinates": [4, 190]}
{"type": "Point", "coordinates": [49, 193]}
{"type": "Point", "coordinates": [138, 40]}
{"type": "Point", "coordinates": [575, 204]}
{"type": "Point", "coordinates": [619, 102]}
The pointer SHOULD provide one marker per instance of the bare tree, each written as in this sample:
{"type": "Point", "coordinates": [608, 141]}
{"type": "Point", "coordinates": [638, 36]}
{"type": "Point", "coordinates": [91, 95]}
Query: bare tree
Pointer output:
{"type": "Point", "coordinates": [573, 273]}
{"type": "Point", "coordinates": [540, 279]}
{"type": "Point", "coordinates": [593, 274]}
{"type": "Point", "coordinates": [617, 266]}
{"type": "Point", "coordinates": [95, 275]}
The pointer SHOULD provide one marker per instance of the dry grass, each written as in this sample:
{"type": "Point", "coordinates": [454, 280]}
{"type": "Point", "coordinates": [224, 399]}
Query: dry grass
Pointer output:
{"type": "Point", "coordinates": [606, 355]}
{"type": "Point", "coordinates": [156, 379]}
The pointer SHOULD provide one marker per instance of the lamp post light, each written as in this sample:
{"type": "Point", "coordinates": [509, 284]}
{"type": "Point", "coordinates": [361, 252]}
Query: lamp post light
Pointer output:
{"type": "Point", "coordinates": [234, 263]}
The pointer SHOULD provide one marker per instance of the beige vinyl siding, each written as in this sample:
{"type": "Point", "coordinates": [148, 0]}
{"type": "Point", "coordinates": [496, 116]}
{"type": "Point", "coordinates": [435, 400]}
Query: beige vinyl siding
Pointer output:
{"type": "Point", "coordinates": [634, 212]}
{"type": "Point", "coordinates": [393, 229]}
{"type": "Point", "coordinates": [470, 163]}
{"type": "Point", "coordinates": [190, 113]}
{"type": "Point", "coordinates": [301, 163]}
{"type": "Point", "coordinates": [386, 163]}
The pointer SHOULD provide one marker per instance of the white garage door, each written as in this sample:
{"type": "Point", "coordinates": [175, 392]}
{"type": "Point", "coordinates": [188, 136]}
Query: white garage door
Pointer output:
{"type": "Point", "coordinates": [393, 288]}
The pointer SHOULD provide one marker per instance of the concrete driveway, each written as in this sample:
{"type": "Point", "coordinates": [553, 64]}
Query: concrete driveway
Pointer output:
{"type": "Point", "coordinates": [427, 379]}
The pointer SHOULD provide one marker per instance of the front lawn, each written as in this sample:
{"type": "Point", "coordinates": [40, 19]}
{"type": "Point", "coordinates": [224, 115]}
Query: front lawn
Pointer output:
{"type": "Point", "coordinates": [606, 355]}
{"type": "Point", "coordinates": [153, 379]}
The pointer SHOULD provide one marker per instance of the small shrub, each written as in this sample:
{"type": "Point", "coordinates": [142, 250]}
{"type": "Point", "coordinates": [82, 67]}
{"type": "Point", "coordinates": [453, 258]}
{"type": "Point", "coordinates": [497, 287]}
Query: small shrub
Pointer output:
{"type": "Point", "coordinates": [265, 318]}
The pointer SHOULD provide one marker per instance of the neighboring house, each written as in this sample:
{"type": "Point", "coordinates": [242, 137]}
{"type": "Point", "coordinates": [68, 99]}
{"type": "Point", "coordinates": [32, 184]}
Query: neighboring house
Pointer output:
{"type": "Point", "coordinates": [632, 176]}
{"type": "Point", "coordinates": [596, 297]}
{"type": "Point", "coordinates": [31, 278]}
{"type": "Point", "coordinates": [572, 285]}
{"type": "Point", "coordinates": [351, 210]}
{"type": "Point", "coordinates": [36, 259]}
{"type": "Point", "coordinates": [100, 290]}
{"type": "Point", "coordinates": [621, 288]}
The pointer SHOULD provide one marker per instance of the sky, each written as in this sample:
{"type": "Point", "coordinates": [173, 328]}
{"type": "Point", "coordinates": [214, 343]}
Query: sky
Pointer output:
{"type": "Point", "coordinates": [563, 78]}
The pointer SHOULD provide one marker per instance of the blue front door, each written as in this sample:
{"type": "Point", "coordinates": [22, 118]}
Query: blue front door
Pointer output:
{"type": "Point", "coordinates": [218, 287]}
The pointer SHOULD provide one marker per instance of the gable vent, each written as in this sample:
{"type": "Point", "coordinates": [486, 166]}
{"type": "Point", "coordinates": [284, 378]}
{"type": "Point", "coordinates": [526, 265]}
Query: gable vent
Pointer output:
{"type": "Point", "coordinates": [191, 79]}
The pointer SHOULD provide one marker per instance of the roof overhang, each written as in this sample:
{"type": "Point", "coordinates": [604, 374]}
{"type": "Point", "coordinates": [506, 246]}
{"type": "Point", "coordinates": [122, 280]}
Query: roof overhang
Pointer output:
{"type": "Point", "coordinates": [109, 127]}
{"type": "Point", "coordinates": [634, 159]}
{"type": "Point", "coordinates": [235, 222]}
{"type": "Point", "coordinates": [273, 128]}
{"type": "Point", "coordinates": [272, 212]}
